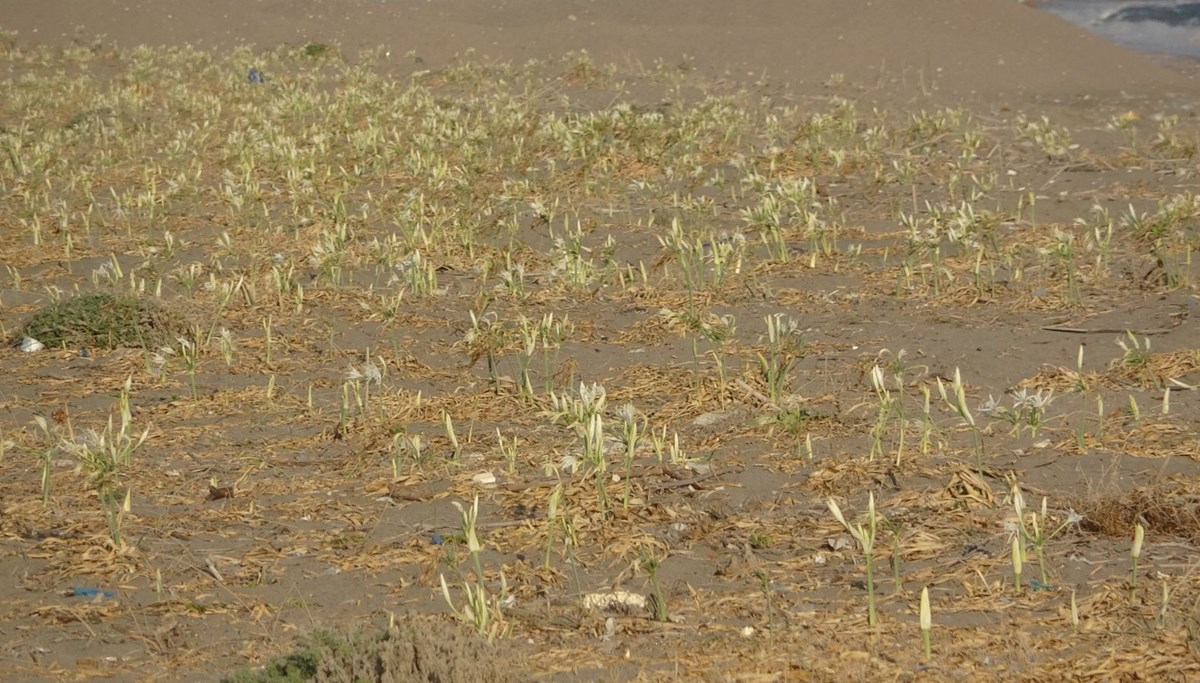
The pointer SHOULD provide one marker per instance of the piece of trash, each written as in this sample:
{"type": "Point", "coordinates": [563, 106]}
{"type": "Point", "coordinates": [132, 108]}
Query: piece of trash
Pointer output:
{"type": "Point", "coordinates": [255, 76]}
{"type": "Point", "coordinates": [1036, 585]}
{"type": "Point", "coordinates": [484, 479]}
{"type": "Point", "coordinates": [84, 353]}
{"type": "Point", "coordinates": [437, 539]}
{"type": "Point", "coordinates": [618, 601]}
{"type": "Point", "coordinates": [839, 542]}
{"type": "Point", "coordinates": [747, 631]}
{"type": "Point", "coordinates": [29, 345]}
{"type": "Point", "coordinates": [86, 592]}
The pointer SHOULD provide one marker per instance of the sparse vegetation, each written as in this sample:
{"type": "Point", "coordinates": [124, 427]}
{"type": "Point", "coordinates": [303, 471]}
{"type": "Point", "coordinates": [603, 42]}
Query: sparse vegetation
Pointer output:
{"type": "Point", "coordinates": [409, 651]}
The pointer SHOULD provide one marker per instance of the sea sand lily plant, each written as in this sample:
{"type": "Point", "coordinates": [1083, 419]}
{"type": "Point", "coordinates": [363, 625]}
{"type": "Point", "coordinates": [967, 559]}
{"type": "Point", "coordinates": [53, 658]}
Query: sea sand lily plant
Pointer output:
{"type": "Point", "coordinates": [649, 562]}
{"type": "Point", "coordinates": [1031, 528]}
{"type": "Point", "coordinates": [1028, 410]}
{"type": "Point", "coordinates": [102, 456]}
{"type": "Point", "coordinates": [1135, 553]}
{"type": "Point", "coordinates": [956, 399]}
{"type": "Point", "coordinates": [926, 622]}
{"type": "Point", "coordinates": [784, 346]}
{"type": "Point", "coordinates": [1018, 561]}
{"type": "Point", "coordinates": [480, 607]}
{"type": "Point", "coordinates": [865, 535]}
{"type": "Point", "coordinates": [632, 431]}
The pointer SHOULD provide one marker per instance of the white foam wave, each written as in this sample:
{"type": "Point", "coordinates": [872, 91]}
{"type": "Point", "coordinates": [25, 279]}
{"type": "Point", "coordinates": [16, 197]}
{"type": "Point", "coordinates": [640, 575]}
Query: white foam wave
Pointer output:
{"type": "Point", "coordinates": [1148, 25]}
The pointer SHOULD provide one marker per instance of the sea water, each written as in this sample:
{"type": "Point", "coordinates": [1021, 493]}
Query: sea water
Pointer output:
{"type": "Point", "coordinates": [1163, 26]}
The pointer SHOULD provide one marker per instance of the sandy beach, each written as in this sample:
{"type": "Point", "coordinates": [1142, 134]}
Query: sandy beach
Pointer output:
{"type": "Point", "coordinates": [652, 284]}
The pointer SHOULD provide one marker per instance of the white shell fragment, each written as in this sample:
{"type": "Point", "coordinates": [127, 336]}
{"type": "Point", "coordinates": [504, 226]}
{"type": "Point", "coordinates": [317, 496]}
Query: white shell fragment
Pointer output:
{"type": "Point", "coordinates": [29, 345]}
{"type": "Point", "coordinates": [618, 601]}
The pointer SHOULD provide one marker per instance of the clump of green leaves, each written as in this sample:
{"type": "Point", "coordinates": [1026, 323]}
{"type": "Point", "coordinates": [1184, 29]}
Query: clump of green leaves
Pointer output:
{"type": "Point", "coordinates": [316, 50]}
{"type": "Point", "coordinates": [104, 321]}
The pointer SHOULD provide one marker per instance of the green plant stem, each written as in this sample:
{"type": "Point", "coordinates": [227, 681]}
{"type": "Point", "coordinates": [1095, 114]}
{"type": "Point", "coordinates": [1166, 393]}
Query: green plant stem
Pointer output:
{"type": "Point", "coordinates": [46, 465]}
{"type": "Point", "coordinates": [1041, 558]}
{"type": "Point", "coordinates": [871, 619]}
{"type": "Point", "coordinates": [478, 562]}
{"type": "Point", "coordinates": [600, 475]}
{"type": "Point", "coordinates": [1133, 574]}
{"type": "Point", "coordinates": [766, 583]}
{"type": "Point", "coordinates": [896, 581]}
{"type": "Point", "coordinates": [978, 443]}
{"type": "Point", "coordinates": [549, 544]}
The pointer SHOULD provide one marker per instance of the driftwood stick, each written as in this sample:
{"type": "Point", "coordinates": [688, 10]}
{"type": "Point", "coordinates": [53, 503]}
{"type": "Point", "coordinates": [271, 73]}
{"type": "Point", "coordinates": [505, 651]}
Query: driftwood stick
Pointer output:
{"type": "Point", "coordinates": [1106, 330]}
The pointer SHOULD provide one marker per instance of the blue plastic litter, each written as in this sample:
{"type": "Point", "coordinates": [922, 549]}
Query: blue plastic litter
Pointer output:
{"type": "Point", "coordinates": [84, 592]}
{"type": "Point", "coordinates": [437, 539]}
{"type": "Point", "coordinates": [255, 76]}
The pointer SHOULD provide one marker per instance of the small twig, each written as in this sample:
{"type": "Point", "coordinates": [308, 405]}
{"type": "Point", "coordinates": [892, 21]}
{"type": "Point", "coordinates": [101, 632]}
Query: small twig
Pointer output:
{"type": "Point", "coordinates": [213, 572]}
{"type": "Point", "coordinates": [1181, 385]}
{"type": "Point", "coordinates": [682, 483]}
